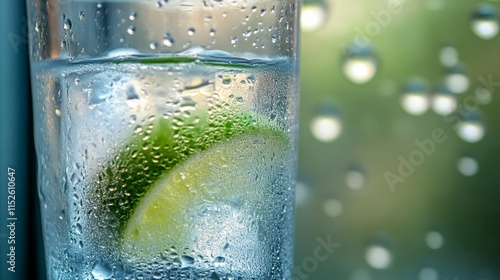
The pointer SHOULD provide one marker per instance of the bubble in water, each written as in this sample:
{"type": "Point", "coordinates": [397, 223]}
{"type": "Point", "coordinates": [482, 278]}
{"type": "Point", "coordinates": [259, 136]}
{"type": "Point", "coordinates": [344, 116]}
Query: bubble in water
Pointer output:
{"type": "Point", "coordinates": [448, 56]}
{"type": "Point", "coordinates": [434, 239]}
{"type": "Point", "coordinates": [415, 98]}
{"type": "Point", "coordinates": [457, 80]}
{"type": "Point", "coordinates": [102, 270]}
{"type": "Point", "coordinates": [233, 39]}
{"type": "Point", "coordinates": [132, 97]}
{"type": "Point", "coordinates": [81, 15]}
{"type": "Point", "coordinates": [313, 15]}
{"type": "Point", "coordinates": [468, 166]}
{"type": "Point", "coordinates": [471, 127]}
{"type": "Point", "coordinates": [434, 5]}
{"type": "Point", "coordinates": [355, 178]}
{"type": "Point", "coordinates": [484, 22]}
{"type": "Point", "coordinates": [332, 207]}
{"type": "Point", "coordinates": [132, 16]}
{"type": "Point", "coordinates": [168, 40]}
{"type": "Point", "coordinates": [443, 101]}
{"type": "Point", "coordinates": [131, 29]}
{"type": "Point", "coordinates": [191, 31]}
{"type": "Point", "coordinates": [428, 273]}
{"type": "Point", "coordinates": [57, 112]}
{"type": "Point", "coordinates": [153, 45]}
{"type": "Point", "coordinates": [67, 24]}
{"type": "Point", "coordinates": [359, 63]}
{"type": "Point", "coordinates": [378, 256]}
{"type": "Point", "coordinates": [326, 126]}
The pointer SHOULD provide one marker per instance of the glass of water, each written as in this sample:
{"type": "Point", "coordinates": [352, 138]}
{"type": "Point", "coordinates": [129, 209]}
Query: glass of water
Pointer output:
{"type": "Point", "coordinates": [166, 137]}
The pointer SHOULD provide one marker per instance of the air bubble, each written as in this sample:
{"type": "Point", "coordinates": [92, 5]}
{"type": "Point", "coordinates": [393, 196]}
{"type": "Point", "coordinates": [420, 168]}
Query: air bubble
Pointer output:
{"type": "Point", "coordinates": [448, 56]}
{"type": "Point", "coordinates": [191, 31]}
{"type": "Point", "coordinates": [212, 32]}
{"type": "Point", "coordinates": [355, 178]}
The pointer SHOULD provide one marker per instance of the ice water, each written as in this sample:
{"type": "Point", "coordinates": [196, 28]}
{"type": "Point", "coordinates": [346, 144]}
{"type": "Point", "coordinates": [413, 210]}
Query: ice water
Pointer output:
{"type": "Point", "coordinates": [86, 112]}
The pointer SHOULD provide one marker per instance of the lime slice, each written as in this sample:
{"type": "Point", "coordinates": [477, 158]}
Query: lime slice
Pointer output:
{"type": "Point", "coordinates": [239, 169]}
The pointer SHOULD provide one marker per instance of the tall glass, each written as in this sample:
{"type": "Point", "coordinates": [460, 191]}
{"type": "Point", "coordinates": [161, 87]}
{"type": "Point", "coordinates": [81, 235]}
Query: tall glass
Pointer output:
{"type": "Point", "coordinates": [166, 137]}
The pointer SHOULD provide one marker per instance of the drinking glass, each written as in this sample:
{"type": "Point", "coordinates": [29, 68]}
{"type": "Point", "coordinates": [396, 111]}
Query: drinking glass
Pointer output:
{"type": "Point", "coordinates": [166, 137]}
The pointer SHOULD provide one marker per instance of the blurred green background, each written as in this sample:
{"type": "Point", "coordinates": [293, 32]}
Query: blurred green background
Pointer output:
{"type": "Point", "coordinates": [376, 76]}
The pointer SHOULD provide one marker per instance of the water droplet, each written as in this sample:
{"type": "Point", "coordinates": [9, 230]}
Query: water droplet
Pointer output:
{"type": "Point", "coordinates": [159, 4]}
{"type": "Point", "coordinates": [415, 98]}
{"type": "Point", "coordinates": [132, 16]}
{"type": "Point", "coordinates": [457, 80]}
{"type": "Point", "coordinates": [273, 37]}
{"type": "Point", "coordinates": [326, 126]}
{"type": "Point", "coordinates": [99, 5]}
{"type": "Point", "coordinates": [428, 273]}
{"type": "Point", "coordinates": [81, 15]}
{"type": "Point", "coordinates": [233, 39]}
{"type": "Point", "coordinates": [471, 127]}
{"type": "Point", "coordinates": [332, 207]}
{"type": "Point", "coordinates": [153, 45]}
{"type": "Point", "coordinates": [443, 101]}
{"type": "Point", "coordinates": [219, 261]}
{"type": "Point", "coordinates": [378, 256]}
{"type": "Point", "coordinates": [62, 214]}
{"type": "Point", "coordinates": [168, 40]}
{"type": "Point", "coordinates": [313, 15]}
{"type": "Point", "coordinates": [263, 12]}
{"type": "Point", "coordinates": [187, 260]}
{"type": "Point", "coordinates": [448, 56]}
{"type": "Point", "coordinates": [355, 178]}
{"type": "Point", "coordinates": [468, 166]}
{"type": "Point", "coordinates": [359, 63]}
{"type": "Point", "coordinates": [191, 31]}
{"type": "Point", "coordinates": [78, 229]}
{"type": "Point", "coordinates": [485, 22]}
{"type": "Point", "coordinates": [212, 32]}
{"type": "Point", "coordinates": [58, 112]}
{"type": "Point", "coordinates": [67, 24]}
{"type": "Point", "coordinates": [434, 239]}
{"type": "Point", "coordinates": [102, 270]}
{"type": "Point", "coordinates": [131, 29]}
{"type": "Point", "coordinates": [132, 97]}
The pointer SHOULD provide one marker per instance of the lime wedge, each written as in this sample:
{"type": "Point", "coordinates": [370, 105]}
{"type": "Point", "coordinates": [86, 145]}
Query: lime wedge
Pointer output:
{"type": "Point", "coordinates": [239, 169]}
